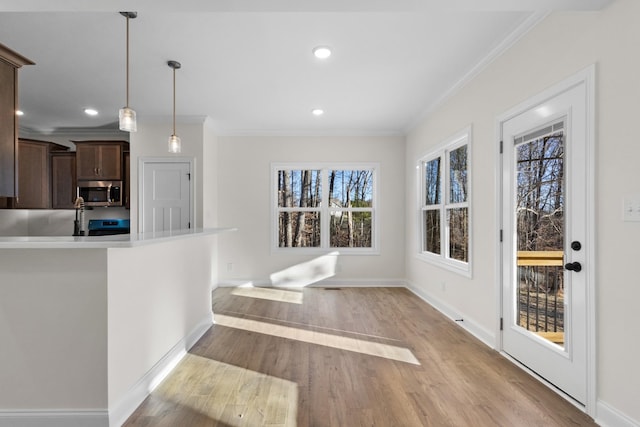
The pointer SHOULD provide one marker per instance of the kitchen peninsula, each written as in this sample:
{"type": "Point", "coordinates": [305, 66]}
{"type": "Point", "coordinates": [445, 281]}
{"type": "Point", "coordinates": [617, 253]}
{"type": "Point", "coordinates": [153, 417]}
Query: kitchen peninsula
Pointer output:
{"type": "Point", "coordinates": [90, 324]}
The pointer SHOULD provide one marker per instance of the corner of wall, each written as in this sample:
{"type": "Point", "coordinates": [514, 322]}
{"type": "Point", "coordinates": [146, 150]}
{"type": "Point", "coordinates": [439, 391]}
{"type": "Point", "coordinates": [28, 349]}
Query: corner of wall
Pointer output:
{"type": "Point", "coordinates": [474, 328]}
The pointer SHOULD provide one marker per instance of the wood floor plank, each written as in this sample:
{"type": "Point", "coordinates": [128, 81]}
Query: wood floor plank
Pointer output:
{"type": "Point", "coordinates": [331, 358]}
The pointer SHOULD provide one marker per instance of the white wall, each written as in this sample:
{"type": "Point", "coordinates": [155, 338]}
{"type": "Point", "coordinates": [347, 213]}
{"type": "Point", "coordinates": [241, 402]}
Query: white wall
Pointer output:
{"type": "Point", "coordinates": [209, 176]}
{"type": "Point", "coordinates": [558, 47]}
{"type": "Point", "coordinates": [151, 141]}
{"type": "Point", "coordinates": [157, 295]}
{"type": "Point", "coordinates": [200, 143]}
{"type": "Point", "coordinates": [244, 165]}
{"type": "Point", "coordinates": [53, 330]}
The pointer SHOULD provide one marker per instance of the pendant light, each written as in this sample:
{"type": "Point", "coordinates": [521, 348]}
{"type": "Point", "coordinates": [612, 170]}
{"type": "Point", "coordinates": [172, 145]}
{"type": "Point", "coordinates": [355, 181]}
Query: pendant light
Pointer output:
{"type": "Point", "coordinates": [127, 116]}
{"type": "Point", "coordinates": [175, 145]}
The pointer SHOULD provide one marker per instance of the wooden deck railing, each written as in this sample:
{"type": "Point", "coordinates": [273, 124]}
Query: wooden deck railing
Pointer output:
{"type": "Point", "coordinates": [540, 258]}
{"type": "Point", "coordinates": [541, 303]}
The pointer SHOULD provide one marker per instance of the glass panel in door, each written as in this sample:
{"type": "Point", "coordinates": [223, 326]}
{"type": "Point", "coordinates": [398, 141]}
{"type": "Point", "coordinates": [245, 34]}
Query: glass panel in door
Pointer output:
{"type": "Point", "coordinates": [540, 226]}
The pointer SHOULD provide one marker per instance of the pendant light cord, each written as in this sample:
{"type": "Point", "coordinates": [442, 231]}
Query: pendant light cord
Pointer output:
{"type": "Point", "coordinates": [174, 101]}
{"type": "Point", "coordinates": [127, 62]}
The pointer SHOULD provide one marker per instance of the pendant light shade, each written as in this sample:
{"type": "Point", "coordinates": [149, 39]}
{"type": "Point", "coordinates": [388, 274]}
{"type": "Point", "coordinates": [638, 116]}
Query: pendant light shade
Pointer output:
{"type": "Point", "coordinates": [175, 145]}
{"type": "Point", "coordinates": [127, 116]}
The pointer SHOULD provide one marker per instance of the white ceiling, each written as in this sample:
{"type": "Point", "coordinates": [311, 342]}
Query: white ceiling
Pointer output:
{"type": "Point", "coordinates": [248, 65]}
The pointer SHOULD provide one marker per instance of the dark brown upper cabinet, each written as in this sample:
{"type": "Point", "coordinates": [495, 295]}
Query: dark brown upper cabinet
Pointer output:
{"type": "Point", "coordinates": [100, 160]}
{"type": "Point", "coordinates": [34, 173]}
{"type": "Point", "coordinates": [10, 62]}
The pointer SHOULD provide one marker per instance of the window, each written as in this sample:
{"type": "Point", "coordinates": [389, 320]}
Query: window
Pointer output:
{"type": "Point", "coordinates": [325, 207]}
{"type": "Point", "coordinates": [444, 204]}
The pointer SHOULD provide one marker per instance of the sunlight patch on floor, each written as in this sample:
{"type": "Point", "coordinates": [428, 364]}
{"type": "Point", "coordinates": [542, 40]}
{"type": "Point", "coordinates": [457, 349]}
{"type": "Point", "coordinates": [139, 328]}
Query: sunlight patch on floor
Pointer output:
{"type": "Point", "coordinates": [271, 294]}
{"type": "Point", "coordinates": [320, 338]}
{"type": "Point", "coordinates": [307, 273]}
{"type": "Point", "coordinates": [231, 395]}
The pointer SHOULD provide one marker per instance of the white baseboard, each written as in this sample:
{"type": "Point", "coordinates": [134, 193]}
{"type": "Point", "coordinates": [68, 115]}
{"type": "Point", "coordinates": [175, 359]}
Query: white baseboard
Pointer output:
{"type": "Point", "coordinates": [48, 418]}
{"type": "Point", "coordinates": [119, 413]}
{"type": "Point", "coordinates": [468, 324]}
{"type": "Point", "coordinates": [607, 416]}
{"type": "Point", "coordinates": [343, 283]}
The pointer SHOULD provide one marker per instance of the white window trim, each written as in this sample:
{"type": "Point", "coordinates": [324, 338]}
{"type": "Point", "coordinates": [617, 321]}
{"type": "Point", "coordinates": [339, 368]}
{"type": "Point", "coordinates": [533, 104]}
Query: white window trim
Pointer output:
{"type": "Point", "coordinates": [325, 209]}
{"type": "Point", "coordinates": [442, 150]}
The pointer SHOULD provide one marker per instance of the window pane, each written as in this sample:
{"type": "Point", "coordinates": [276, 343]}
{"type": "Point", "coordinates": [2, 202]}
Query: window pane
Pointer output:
{"type": "Point", "coordinates": [431, 220]}
{"type": "Point", "coordinates": [350, 229]}
{"type": "Point", "coordinates": [432, 181]}
{"type": "Point", "coordinates": [351, 188]}
{"type": "Point", "coordinates": [299, 188]}
{"type": "Point", "coordinates": [298, 229]}
{"type": "Point", "coordinates": [459, 234]}
{"type": "Point", "coordinates": [458, 175]}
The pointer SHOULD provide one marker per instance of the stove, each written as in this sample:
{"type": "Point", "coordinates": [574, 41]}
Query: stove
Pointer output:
{"type": "Point", "coordinates": [108, 227]}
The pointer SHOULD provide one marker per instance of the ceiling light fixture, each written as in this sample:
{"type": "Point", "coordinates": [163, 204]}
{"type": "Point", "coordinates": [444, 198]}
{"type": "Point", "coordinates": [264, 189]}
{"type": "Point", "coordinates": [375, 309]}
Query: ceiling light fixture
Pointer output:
{"type": "Point", "coordinates": [127, 116]}
{"type": "Point", "coordinates": [91, 112]}
{"type": "Point", "coordinates": [175, 145]}
{"type": "Point", "coordinates": [317, 111]}
{"type": "Point", "coordinates": [322, 52]}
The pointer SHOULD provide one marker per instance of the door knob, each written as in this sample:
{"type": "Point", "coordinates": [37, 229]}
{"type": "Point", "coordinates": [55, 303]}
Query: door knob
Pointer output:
{"type": "Point", "coordinates": [573, 266]}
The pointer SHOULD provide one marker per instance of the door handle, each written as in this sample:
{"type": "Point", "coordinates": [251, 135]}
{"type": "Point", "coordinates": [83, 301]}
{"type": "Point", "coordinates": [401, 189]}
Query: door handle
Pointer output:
{"type": "Point", "coordinates": [573, 266]}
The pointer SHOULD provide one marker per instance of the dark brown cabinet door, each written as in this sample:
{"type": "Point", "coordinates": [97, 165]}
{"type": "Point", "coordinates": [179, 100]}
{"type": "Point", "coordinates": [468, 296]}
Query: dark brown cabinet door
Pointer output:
{"type": "Point", "coordinates": [33, 176]}
{"type": "Point", "coordinates": [87, 161]}
{"type": "Point", "coordinates": [10, 62]}
{"type": "Point", "coordinates": [63, 180]}
{"type": "Point", "coordinates": [7, 130]}
{"type": "Point", "coordinates": [99, 161]}
{"type": "Point", "coordinates": [110, 161]}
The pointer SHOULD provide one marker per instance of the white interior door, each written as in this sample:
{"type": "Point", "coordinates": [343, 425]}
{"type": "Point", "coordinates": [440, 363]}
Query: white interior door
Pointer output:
{"type": "Point", "coordinates": [166, 195]}
{"type": "Point", "coordinates": [545, 211]}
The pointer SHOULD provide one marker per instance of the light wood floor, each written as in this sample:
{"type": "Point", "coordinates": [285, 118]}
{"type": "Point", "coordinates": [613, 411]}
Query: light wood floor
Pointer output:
{"type": "Point", "coordinates": [345, 357]}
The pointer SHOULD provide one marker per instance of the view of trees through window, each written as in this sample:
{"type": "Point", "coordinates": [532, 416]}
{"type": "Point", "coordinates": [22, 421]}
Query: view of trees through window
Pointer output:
{"type": "Point", "coordinates": [452, 213]}
{"type": "Point", "coordinates": [540, 194]}
{"type": "Point", "coordinates": [431, 215]}
{"type": "Point", "coordinates": [540, 230]}
{"type": "Point", "coordinates": [300, 189]}
{"type": "Point", "coordinates": [336, 200]}
{"type": "Point", "coordinates": [457, 214]}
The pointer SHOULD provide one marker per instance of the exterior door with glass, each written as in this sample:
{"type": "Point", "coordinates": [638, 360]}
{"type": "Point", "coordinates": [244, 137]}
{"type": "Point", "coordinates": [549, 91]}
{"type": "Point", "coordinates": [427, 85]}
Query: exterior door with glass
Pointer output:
{"type": "Point", "coordinates": [545, 215]}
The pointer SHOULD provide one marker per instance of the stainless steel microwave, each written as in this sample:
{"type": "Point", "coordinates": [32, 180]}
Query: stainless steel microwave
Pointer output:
{"type": "Point", "coordinates": [100, 193]}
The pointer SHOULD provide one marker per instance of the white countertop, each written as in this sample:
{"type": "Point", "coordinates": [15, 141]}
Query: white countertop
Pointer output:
{"type": "Point", "coordinates": [96, 242]}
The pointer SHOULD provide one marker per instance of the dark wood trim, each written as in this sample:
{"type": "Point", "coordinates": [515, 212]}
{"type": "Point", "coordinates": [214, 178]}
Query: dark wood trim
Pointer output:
{"type": "Point", "coordinates": [13, 57]}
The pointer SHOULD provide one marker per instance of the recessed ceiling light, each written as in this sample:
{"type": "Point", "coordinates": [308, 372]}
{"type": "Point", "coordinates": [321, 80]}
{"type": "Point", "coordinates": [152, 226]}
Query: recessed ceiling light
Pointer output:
{"type": "Point", "coordinates": [317, 111]}
{"type": "Point", "coordinates": [19, 113]}
{"type": "Point", "coordinates": [322, 52]}
{"type": "Point", "coordinates": [90, 112]}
